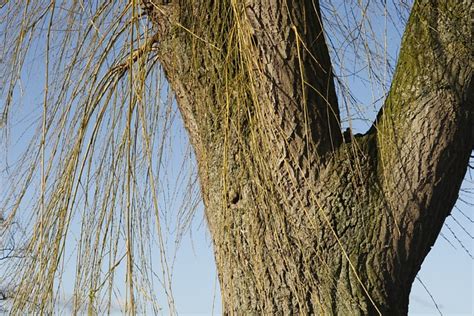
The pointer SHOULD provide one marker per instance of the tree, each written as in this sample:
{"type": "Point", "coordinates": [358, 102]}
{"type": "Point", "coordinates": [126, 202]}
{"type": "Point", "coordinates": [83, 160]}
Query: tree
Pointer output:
{"type": "Point", "coordinates": [304, 218]}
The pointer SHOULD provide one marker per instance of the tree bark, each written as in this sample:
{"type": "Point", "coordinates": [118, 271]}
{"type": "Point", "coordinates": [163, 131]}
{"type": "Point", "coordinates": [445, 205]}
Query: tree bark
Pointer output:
{"type": "Point", "coordinates": [301, 221]}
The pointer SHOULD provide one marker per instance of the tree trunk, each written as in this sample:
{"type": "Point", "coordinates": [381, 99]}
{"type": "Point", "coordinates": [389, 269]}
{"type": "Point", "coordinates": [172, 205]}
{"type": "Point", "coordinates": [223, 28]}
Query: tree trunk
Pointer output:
{"type": "Point", "coordinates": [303, 221]}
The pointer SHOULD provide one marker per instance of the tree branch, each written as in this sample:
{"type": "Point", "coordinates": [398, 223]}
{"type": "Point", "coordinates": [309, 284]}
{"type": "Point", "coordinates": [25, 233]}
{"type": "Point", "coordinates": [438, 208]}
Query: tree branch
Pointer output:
{"type": "Point", "coordinates": [425, 130]}
{"type": "Point", "coordinates": [284, 57]}
{"type": "Point", "coordinates": [297, 78]}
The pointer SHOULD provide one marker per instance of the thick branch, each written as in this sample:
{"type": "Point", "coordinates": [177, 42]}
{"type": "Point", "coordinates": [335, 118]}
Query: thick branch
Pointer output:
{"type": "Point", "coordinates": [426, 129]}
{"type": "Point", "coordinates": [276, 46]}
{"type": "Point", "coordinates": [297, 80]}
{"type": "Point", "coordinates": [250, 78]}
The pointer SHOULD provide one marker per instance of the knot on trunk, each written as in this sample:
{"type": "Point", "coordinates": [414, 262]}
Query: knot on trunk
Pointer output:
{"type": "Point", "coordinates": [162, 13]}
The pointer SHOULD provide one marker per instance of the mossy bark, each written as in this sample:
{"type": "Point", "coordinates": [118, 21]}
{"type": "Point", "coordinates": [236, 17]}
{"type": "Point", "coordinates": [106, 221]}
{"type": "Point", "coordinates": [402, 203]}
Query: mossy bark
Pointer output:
{"type": "Point", "coordinates": [302, 221]}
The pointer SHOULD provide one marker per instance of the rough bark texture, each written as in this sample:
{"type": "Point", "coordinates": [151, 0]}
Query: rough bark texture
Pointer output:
{"type": "Point", "coordinates": [301, 221]}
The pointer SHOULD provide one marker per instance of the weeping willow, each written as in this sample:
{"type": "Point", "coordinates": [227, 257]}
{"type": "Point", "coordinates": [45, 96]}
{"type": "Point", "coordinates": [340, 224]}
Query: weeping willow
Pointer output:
{"type": "Point", "coordinates": [93, 188]}
{"type": "Point", "coordinates": [86, 190]}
